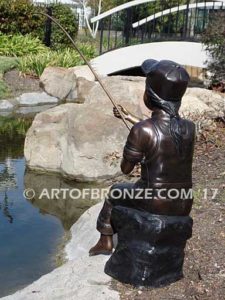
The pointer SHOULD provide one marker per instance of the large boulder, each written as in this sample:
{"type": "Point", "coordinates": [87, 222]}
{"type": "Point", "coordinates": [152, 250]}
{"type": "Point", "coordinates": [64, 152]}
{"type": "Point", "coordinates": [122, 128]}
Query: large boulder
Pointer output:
{"type": "Point", "coordinates": [59, 82]}
{"type": "Point", "coordinates": [83, 72]}
{"type": "Point", "coordinates": [79, 140]}
{"type": "Point", "coordinates": [85, 141]}
{"type": "Point", "coordinates": [84, 87]}
{"type": "Point", "coordinates": [121, 89]}
{"type": "Point", "coordinates": [193, 106]}
{"type": "Point", "coordinates": [198, 102]}
{"type": "Point", "coordinates": [214, 100]}
{"type": "Point", "coordinates": [67, 84]}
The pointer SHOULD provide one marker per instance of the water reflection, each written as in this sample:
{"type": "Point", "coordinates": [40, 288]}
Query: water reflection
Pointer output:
{"type": "Point", "coordinates": [7, 175]}
{"type": "Point", "coordinates": [30, 231]}
{"type": "Point", "coordinates": [4, 207]}
{"type": "Point", "coordinates": [67, 210]}
{"type": "Point", "coordinates": [7, 181]}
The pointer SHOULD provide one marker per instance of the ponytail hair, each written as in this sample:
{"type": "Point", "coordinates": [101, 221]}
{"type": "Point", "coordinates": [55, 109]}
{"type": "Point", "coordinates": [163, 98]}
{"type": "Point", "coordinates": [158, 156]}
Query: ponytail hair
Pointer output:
{"type": "Point", "coordinates": [172, 108]}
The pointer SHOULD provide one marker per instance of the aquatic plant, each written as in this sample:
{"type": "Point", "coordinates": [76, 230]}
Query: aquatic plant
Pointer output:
{"type": "Point", "coordinates": [14, 127]}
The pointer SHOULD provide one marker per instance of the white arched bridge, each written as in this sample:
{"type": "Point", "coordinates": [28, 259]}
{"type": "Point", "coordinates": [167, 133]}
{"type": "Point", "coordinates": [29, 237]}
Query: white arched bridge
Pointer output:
{"type": "Point", "coordinates": [142, 29]}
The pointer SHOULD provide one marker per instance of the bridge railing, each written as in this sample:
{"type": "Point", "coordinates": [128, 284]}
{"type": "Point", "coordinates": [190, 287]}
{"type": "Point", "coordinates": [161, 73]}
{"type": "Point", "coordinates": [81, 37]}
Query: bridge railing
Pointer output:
{"type": "Point", "coordinates": [155, 20]}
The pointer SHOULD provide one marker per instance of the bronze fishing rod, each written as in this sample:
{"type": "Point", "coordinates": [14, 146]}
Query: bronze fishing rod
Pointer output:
{"type": "Point", "coordinates": [89, 65]}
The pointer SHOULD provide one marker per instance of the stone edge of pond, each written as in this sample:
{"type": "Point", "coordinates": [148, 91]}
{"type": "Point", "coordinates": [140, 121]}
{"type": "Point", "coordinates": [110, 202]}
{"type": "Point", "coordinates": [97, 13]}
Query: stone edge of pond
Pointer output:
{"type": "Point", "coordinates": [81, 277]}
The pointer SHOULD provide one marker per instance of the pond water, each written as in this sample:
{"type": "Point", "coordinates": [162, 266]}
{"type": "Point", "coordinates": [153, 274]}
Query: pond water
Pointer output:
{"type": "Point", "coordinates": [30, 231]}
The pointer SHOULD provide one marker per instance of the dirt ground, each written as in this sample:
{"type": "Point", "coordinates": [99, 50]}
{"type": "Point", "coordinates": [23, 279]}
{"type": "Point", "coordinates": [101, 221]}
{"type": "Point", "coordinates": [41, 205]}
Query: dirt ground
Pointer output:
{"type": "Point", "coordinates": [204, 268]}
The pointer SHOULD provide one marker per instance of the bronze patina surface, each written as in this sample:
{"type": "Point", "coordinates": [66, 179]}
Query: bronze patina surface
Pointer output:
{"type": "Point", "coordinates": [164, 145]}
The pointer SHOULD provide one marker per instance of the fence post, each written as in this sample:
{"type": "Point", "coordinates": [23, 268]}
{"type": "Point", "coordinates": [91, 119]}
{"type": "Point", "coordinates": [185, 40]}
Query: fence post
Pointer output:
{"type": "Point", "coordinates": [186, 20]}
{"type": "Point", "coordinates": [101, 28]}
{"type": "Point", "coordinates": [127, 27]}
{"type": "Point", "coordinates": [48, 28]}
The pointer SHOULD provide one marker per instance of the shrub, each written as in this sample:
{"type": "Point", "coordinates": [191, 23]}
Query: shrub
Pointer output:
{"type": "Point", "coordinates": [19, 45]}
{"type": "Point", "coordinates": [214, 40]}
{"type": "Point", "coordinates": [68, 20]}
{"type": "Point", "coordinates": [21, 17]}
{"type": "Point", "coordinates": [35, 64]}
{"type": "Point", "coordinates": [18, 16]}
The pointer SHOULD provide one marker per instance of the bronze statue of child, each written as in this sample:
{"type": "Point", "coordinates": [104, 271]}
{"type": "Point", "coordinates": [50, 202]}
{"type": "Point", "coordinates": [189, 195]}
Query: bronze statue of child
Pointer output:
{"type": "Point", "coordinates": [163, 144]}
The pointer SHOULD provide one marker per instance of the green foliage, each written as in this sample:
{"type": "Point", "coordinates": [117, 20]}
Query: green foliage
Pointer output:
{"type": "Point", "coordinates": [214, 41]}
{"type": "Point", "coordinates": [7, 63]}
{"type": "Point", "coordinates": [68, 20]}
{"type": "Point", "coordinates": [18, 16]}
{"type": "Point", "coordinates": [108, 4]}
{"type": "Point", "coordinates": [35, 64]}
{"type": "Point", "coordinates": [21, 17]}
{"type": "Point", "coordinates": [10, 127]}
{"type": "Point", "coordinates": [87, 39]}
{"type": "Point", "coordinates": [19, 45]}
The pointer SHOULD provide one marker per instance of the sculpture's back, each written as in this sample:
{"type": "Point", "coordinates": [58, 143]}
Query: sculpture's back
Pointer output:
{"type": "Point", "coordinates": [152, 220]}
{"type": "Point", "coordinates": [152, 234]}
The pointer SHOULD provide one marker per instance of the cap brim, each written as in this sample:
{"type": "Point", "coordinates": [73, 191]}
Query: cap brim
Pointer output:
{"type": "Point", "coordinates": [147, 65]}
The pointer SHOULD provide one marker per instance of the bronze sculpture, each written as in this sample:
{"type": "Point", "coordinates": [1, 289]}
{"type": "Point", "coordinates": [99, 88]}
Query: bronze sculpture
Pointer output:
{"type": "Point", "coordinates": [164, 146]}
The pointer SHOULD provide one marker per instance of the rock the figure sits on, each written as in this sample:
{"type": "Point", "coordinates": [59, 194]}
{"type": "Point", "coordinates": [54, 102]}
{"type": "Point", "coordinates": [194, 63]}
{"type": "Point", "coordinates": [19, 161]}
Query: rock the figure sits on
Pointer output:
{"type": "Point", "coordinates": [152, 227]}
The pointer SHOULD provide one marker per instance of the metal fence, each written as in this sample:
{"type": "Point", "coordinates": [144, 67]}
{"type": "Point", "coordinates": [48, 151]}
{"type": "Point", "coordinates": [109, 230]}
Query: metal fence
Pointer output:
{"type": "Point", "coordinates": [177, 20]}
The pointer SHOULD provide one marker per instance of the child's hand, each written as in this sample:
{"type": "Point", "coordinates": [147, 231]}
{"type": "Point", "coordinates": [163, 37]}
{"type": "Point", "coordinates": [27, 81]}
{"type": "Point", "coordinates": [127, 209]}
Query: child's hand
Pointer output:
{"type": "Point", "coordinates": [122, 110]}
